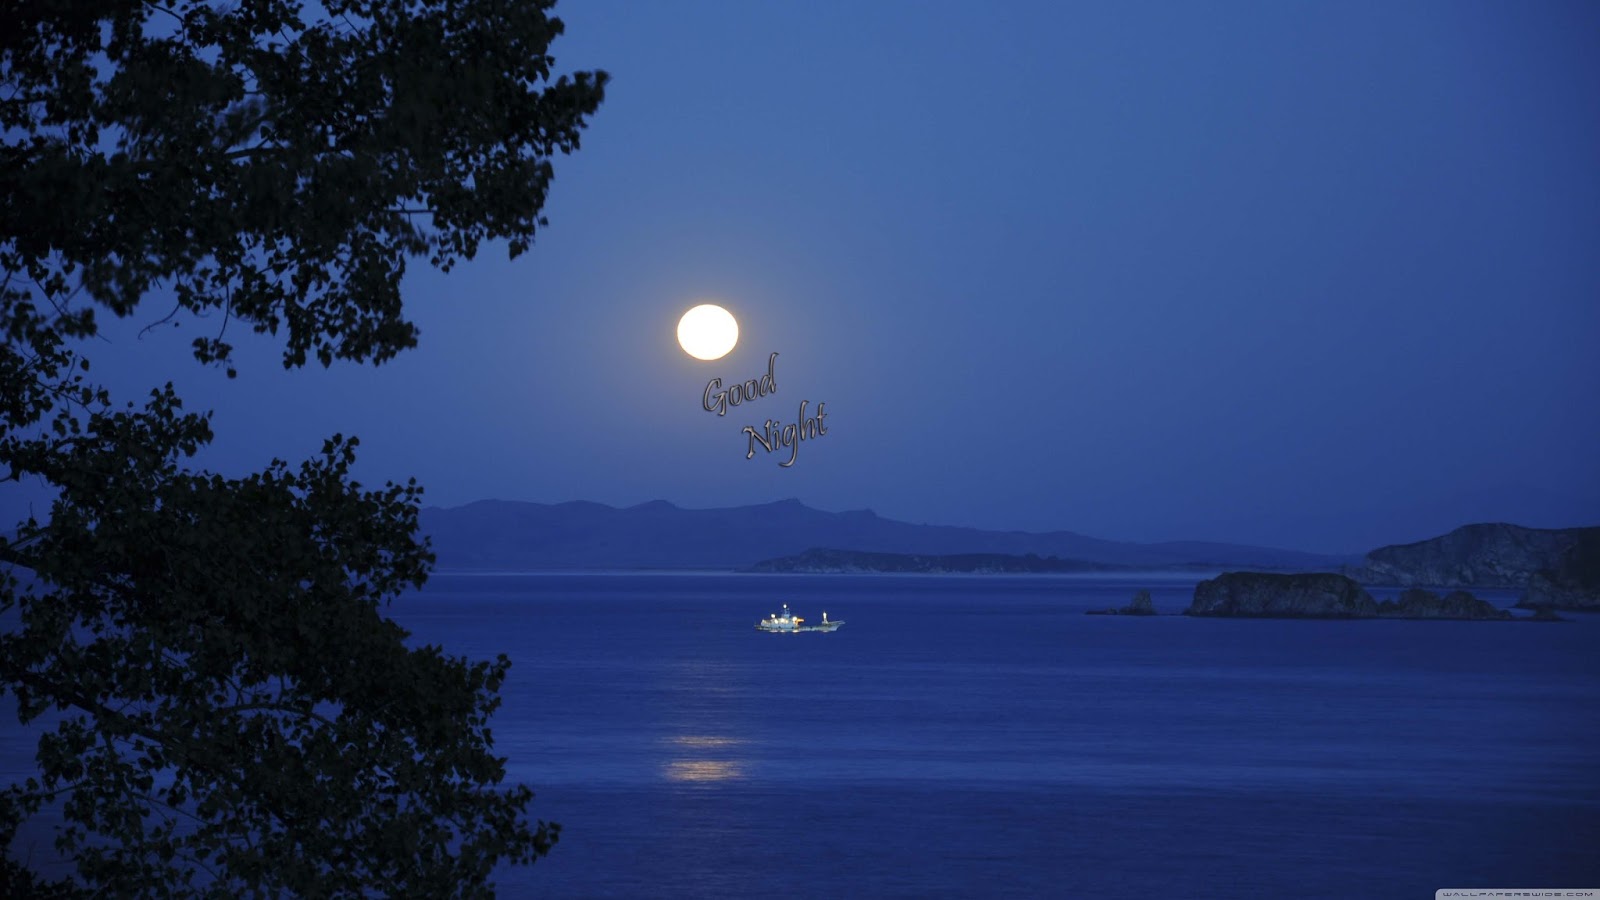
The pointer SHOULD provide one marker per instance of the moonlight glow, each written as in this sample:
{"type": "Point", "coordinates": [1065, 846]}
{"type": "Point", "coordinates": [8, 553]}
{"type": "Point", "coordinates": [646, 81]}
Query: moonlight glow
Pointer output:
{"type": "Point", "coordinates": [708, 332]}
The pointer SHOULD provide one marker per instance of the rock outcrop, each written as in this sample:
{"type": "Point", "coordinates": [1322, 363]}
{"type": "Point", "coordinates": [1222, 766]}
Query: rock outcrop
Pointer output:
{"type": "Point", "coordinates": [1573, 582]}
{"type": "Point", "coordinates": [1493, 555]}
{"type": "Point", "coordinates": [1140, 606]}
{"type": "Point", "coordinates": [1546, 614]}
{"type": "Point", "coordinates": [1268, 595]}
{"type": "Point", "coordinates": [1417, 603]}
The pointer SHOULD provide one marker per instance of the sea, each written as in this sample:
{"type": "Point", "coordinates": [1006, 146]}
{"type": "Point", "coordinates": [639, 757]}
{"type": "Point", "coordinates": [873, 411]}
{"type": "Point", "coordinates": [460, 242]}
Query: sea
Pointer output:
{"type": "Point", "coordinates": [980, 736]}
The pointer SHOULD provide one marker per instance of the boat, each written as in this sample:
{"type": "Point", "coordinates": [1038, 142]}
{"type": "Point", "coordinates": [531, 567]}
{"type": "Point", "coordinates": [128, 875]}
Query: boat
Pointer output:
{"type": "Point", "coordinates": [784, 621]}
{"type": "Point", "coordinates": [787, 622]}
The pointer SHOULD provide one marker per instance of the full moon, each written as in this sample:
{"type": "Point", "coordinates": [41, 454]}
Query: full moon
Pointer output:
{"type": "Point", "coordinates": [708, 331]}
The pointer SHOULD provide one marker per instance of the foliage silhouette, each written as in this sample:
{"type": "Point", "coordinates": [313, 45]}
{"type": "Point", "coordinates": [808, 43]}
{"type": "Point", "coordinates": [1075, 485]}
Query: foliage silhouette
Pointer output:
{"type": "Point", "coordinates": [228, 710]}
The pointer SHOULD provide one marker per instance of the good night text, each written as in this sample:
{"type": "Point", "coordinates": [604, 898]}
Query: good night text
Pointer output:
{"type": "Point", "coordinates": [773, 435]}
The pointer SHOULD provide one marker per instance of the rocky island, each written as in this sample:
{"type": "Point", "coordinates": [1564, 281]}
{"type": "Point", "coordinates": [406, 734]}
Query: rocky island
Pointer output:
{"type": "Point", "coordinates": [1315, 595]}
{"type": "Point", "coordinates": [1557, 568]}
{"type": "Point", "coordinates": [1324, 595]}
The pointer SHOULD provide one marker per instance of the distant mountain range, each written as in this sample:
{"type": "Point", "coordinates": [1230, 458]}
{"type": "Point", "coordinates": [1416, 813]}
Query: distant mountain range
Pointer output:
{"type": "Point", "coordinates": [512, 536]}
{"type": "Point", "coordinates": [837, 562]}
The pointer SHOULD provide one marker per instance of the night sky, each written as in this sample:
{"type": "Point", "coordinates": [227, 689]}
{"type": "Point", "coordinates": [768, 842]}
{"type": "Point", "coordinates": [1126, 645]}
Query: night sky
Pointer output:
{"type": "Point", "coordinates": [1321, 276]}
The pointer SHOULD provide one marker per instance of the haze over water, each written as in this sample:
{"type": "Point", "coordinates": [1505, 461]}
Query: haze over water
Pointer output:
{"type": "Point", "coordinates": [966, 736]}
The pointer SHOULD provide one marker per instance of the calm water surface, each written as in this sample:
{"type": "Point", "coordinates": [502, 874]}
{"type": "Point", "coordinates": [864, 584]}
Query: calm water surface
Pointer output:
{"type": "Point", "coordinates": [971, 736]}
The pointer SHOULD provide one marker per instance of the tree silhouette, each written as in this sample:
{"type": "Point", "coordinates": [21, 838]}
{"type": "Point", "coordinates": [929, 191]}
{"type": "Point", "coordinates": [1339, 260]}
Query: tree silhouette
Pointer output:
{"type": "Point", "coordinates": [230, 712]}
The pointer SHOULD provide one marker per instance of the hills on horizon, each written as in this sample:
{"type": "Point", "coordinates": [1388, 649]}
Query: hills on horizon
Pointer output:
{"type": "Point", "coordinates": [510, 535]}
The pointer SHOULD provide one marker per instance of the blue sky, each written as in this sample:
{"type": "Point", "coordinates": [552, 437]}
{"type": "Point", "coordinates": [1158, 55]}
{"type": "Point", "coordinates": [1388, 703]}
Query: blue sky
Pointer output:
{"type": "Point", "coordinates": [1320, 276]}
